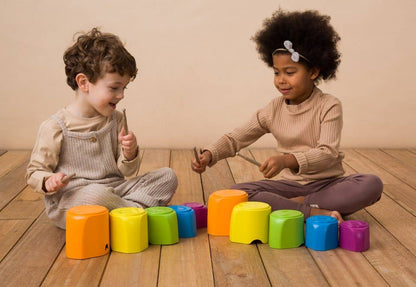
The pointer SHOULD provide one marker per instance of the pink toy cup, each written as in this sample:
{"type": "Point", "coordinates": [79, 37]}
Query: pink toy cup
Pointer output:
{"type": "Point", "coordinates": [201, 212]}
{"type": "Point", "coordinates": [354, 235]}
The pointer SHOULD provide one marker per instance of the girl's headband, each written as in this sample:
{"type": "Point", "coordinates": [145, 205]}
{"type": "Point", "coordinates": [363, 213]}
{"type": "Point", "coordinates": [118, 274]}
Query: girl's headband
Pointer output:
{"type": "Point", "coordinates": [289, 48]}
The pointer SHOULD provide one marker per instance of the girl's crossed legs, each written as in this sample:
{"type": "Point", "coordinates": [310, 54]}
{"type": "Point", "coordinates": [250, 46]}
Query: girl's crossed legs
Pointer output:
{"type": "Point", "coordinates": [334, 196]}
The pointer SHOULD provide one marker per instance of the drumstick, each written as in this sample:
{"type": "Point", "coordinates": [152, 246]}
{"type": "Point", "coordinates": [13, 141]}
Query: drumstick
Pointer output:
{"type": "Point", "coordinates": [248, 159]}
{"type": "Point", "coordinates": [67, 178]}
{"type": "Point", "coordinates": [126, 129]}
{"type": "Point", "coordinates": [196, 155]}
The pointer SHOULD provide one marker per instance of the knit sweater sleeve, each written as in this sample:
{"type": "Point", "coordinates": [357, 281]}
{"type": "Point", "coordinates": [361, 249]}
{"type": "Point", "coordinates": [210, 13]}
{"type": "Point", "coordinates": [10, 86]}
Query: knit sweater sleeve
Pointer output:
{"type": "Point", "coordinates": [45, 155]}
{"type": "Point", "coordinates": [126, 167]}
{"type": "Point", "coordinates": [326, 152]}
{"type": "Point", "coordinates": [242, 136]}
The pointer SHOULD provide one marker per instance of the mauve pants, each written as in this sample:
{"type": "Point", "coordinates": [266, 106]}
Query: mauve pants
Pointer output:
{"type": "Point", "coordinates": [344, 194]}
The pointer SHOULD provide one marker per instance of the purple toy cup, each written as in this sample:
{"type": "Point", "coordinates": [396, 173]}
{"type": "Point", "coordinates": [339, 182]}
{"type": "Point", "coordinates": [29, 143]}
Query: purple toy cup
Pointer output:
{"type": "Point", "coordinates": [201, 212]}
{"type": "Point", "coordinates": [354, 235]}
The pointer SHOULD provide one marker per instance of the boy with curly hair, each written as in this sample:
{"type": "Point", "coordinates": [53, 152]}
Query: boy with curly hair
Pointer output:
{"type": "Point", "coordinates": [87, 137]}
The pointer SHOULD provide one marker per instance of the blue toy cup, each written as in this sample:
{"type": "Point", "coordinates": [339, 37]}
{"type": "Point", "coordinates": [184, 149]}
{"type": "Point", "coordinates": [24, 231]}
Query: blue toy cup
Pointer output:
{"type": "Point", "coordinates": [321, 232]}
{"type": "Point", "coordinates": [186, 220]}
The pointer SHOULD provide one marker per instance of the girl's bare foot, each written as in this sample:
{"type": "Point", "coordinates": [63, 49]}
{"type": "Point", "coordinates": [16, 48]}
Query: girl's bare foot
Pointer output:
{"type": "Point", "coordinates": [333, 213]}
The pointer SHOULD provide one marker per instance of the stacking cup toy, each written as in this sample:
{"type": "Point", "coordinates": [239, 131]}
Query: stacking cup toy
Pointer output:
{"type": "Point", "coordinates": [250, 222]}
{"type": "Point", "coordinates": [321, 232]}
{"type": "Point", "coordinates": [354, 235]}
{"type": "Point", "coordinates": [162, 225]}
{"type": "Point", "coordinates": [286, 229]}
{"type": "Point", "coordinates": [186, 220]}
{"type": "Point", "coordinates": [87, 231]}
{"type": "Point", "coordinates": [201, 212]}
{"type": "Point", "coordinates": [128, 226]}
{"type": "Point", "coordinates": [220, 207]}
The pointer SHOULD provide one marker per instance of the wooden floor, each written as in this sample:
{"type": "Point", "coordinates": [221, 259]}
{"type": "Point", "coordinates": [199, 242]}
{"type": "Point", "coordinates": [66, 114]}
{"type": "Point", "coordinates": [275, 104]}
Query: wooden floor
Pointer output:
{"type": "Point", "coordinates": [32, 249]}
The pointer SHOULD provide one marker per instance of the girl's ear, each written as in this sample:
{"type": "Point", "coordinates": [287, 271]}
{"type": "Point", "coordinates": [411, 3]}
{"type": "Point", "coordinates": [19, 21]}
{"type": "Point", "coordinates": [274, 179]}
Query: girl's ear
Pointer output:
{"type": "Point", "coordinates": [314, 73]}
{"type": "Point", "coordinates": [82, 82]}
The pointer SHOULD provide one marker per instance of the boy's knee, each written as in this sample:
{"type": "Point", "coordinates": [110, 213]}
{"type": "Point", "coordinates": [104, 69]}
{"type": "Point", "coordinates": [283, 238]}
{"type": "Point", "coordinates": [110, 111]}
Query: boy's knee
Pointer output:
{"type": "Point", "coordinates": [169, 177]}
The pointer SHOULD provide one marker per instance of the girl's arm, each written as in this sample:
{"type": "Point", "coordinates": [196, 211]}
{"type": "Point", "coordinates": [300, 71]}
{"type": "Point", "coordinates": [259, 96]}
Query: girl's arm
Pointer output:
{"type": "Point", "coordinates": [326, 153]}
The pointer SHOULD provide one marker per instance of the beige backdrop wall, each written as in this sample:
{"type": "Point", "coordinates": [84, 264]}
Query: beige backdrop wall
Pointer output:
{"type": "Point", "coordinates": [199, 72]}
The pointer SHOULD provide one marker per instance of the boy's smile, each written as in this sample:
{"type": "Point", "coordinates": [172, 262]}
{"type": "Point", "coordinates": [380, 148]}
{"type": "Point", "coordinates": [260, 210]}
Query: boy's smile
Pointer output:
{"type": "Point", "coordinates": [292, 79]}
{"type": "Point", "coordinates": [101, 97]}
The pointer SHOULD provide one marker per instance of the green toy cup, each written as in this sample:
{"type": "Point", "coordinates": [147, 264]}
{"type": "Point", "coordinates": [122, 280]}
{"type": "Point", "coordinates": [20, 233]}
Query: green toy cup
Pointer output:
{"type": "Point", "coordinates": [286, 229]}
{"type": "Point", "coordinates": [163, 225]}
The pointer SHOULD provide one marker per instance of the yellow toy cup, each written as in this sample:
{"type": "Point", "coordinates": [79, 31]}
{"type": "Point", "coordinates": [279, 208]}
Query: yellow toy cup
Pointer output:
{"type": "Point", "coordinates": [250, 222]}
{"type": "Point", "coordinates": [128, 227]}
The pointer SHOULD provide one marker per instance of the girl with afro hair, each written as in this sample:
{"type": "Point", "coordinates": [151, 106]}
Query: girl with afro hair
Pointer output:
{"type": "Point", "coordinates": [301, 48]}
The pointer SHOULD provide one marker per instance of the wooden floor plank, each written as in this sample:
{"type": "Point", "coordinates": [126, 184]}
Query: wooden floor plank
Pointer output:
{"type": "Point", "coordinates": [10, 232]}
{"type": "Point", "coordinates": [12, 184]}
{"type": "Point", "coordinates": [28, 204]}
{"type": "Point", "coordinates": [237, 264]}
{"type": "Point", "coordinates": [135, 269]}
{"type": "Point", "coordinates": [187, 262]}
{"type": "Point", "coordinates": [405, 156]}
{"type": "Point", "coordinates": [29, 261]}
{"type": "Point", "coordinates": [393, 186]}
{"type": "Point", "coordinates": [12, 159]}
{"type": "Point", "coordinates": [283, 267]}
{"type": "Point", "coordinates": [74, 272]}
{"type": "Point", "coordinates": [402, 170]}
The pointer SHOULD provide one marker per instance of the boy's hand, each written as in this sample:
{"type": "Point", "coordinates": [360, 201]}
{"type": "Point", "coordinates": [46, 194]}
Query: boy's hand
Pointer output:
{"type": "Point", "coordinates": [129, 144]}
{"type": "Point", "coordinates": [275, 164]}
{"type": "Point", "coordinates": [54, 182]}
{"type": "Point", "coordinates": [204, 160]}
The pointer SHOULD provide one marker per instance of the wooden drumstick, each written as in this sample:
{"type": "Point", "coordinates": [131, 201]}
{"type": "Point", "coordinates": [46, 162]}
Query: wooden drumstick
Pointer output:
{"type": "Point", "coordinates": [196, 155]}
{"type": "Point", "coordinates": [68, 178]}
{"type": "Point", "coordinates": [248, 159]}
{"type": "Point", "coordinates": [126, 129]}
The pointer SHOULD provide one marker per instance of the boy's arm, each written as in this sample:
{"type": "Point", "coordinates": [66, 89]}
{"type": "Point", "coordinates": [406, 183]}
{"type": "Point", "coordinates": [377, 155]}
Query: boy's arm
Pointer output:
{"type": "Point", "coordinates": [126, 167]}
{"type": "Point", "coordinates": [45, 155]}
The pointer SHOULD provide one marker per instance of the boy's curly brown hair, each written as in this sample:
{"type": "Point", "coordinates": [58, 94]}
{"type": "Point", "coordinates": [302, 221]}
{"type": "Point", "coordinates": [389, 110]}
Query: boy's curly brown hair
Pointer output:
{"type": "Point", "coordinates": [311, 34]}
{"type": "Point", "coordinates": [95, 53]}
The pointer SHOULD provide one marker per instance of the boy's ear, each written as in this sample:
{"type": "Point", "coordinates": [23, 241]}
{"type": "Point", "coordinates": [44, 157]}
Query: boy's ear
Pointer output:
{"type": "Point", "coordinates": [314, 73]}
{"type": "Point", "coordinates": [82, 82]}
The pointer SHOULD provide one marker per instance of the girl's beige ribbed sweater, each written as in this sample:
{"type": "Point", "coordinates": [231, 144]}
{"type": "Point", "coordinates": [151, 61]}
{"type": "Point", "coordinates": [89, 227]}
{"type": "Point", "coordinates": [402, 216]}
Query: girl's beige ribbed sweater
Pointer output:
{"type": "Point", "coordinates": [311, 131]}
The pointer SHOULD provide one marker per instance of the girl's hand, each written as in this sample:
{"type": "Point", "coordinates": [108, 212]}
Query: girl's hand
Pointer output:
{"type": "Point", "coordinates": [129, 144]}
{"type": "Point", "coordinates": [204, 159]}
{"type": "Point", "coordinates": [272, 166]}
{"type": "Point", "coordinates": [54, 182]}
{"type": "Point", "coordinates": [275, 164]}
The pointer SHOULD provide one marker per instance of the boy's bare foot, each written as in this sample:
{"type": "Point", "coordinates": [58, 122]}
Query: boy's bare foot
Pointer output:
{"type": "Point", "coordinates": [333, 213]}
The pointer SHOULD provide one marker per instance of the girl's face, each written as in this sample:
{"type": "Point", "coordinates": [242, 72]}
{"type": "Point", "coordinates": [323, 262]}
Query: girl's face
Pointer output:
{"type": "Point", "coordinates": [103, 95]}
{"type": "Point", "coordinates": [294, 80]}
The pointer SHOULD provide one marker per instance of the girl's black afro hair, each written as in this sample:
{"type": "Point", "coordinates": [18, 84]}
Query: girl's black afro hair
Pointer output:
{"type": "Point", "coordinates": [311, 35]}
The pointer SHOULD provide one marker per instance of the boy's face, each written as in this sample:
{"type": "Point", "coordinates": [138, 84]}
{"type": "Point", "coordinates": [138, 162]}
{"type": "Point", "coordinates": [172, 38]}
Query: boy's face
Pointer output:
{"type": "Point", "coordinates": [292, 79]}
{"type": "Point", "coordinates": [103, 95]}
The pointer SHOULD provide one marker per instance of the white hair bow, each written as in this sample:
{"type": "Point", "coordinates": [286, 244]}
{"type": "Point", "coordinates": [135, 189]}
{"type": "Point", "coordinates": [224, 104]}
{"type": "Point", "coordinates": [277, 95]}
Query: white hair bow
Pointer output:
{"type": "Point", "coordinates": [289, 46]}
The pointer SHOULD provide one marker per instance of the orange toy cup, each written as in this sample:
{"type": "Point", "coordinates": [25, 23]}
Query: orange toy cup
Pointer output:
{"type": "Point", "coordinates": [87, 231]}
{"type": "Point", "coordinates": [220, 207]}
